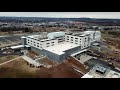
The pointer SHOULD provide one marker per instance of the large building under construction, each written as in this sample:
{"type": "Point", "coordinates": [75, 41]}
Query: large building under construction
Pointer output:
{"type": "Point", "coordinates": [59, 45]}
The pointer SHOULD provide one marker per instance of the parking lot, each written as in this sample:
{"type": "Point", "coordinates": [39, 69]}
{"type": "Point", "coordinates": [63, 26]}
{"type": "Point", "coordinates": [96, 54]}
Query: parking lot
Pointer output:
{"type": "Point", "coordinates": [9, 41]}
{"type": "Point", "coordinates": [9, 51]}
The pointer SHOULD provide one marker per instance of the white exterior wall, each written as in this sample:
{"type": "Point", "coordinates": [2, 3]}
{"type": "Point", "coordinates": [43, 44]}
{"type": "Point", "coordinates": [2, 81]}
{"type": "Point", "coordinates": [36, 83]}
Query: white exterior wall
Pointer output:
{"type": "Point", "coordinates": [61, 39]}
{"type": "Point", "coordinates": [34, 43]}
{"type": "Point", "coordinates": [94, 35]}
{"type": "Point", "coordinates": [73, 39]}
{"type": "Point", "coordinates": [97, 37]}
{"type": "Point", "coordinates": [49, 43]}
{"type": "Point", "coordinates": [91, 38]}
{"type": "Point", "coordinates": [78, 40]}
{"type": "Point", "coordinates": [85, 42]}
{"type": "Point", "coordinates": [39, 44]}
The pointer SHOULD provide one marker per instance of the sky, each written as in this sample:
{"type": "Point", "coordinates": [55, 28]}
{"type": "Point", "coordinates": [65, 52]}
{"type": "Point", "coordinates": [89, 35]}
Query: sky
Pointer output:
{"type": "Point", "coordinates": [115, 15]}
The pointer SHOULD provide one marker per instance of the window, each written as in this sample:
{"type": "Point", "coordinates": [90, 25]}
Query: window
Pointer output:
{"type": "Point", "coordinates": [52, 42]}
{"type": "Point", "coordinates": [34, 42]}
{"type": "Point", "coordinates": [37, 46]}
{"type": "Point", "coordinates": [52, 45]}
{"type": "Point", "coordinates": [37, 43]}
{"type": "Point", "coordinates": [28, 42]}
{"type": "Point", "coordinates": [47, 46]}
{"type": "Point", "coordinates": [71, 37]}
{"type": "Point", "coordinates": [67, 39]}
{"type": "Point", "coordinates": [47, 43]}
{"type": "Point", "coordinates": [31, 40]}
{"type": "Point", "coordinates": [76, 38]}
{"type": "Point", "coordinates": [34, 45]}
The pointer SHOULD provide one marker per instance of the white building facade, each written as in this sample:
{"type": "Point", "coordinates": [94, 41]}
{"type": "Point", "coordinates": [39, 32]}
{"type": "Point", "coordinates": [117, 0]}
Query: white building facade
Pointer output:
{"type": "Point", "coordinates": [81, 40]}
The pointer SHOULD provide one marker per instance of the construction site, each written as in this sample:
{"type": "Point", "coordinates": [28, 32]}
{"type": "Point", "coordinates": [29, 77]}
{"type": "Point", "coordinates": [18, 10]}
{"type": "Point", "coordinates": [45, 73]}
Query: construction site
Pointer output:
{"type": "Point", "coordinates": [31, 64]}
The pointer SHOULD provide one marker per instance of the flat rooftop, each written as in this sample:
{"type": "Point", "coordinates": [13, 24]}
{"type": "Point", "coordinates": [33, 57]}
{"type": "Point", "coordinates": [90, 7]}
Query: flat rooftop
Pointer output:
{"type": "Point", "coordinates": [61, 47]}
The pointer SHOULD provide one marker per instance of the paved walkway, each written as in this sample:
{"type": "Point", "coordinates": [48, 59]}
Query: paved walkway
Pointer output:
{"type": "Point", "coordinates": [9, 61]}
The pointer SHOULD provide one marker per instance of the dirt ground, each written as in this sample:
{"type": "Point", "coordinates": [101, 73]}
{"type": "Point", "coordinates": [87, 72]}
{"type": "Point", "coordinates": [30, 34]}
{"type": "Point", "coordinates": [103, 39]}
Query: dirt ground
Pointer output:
{"type": "Point", "coordinates": [7, 58]}
{"type": "Point", "coordinates": [76, 64]}
{"type": "Point", "coordinates": [112, 51]}
{"type": "Point", "coordinates": [61, 71]}
{"type": "Point", "coordinates": [17, 68]}
{"type": "Point", "coordinates": [47, 62]}
{"type": "Point", "coordinates": [20, 69]}
{"type": "Point", "coordinates": [112, 38]}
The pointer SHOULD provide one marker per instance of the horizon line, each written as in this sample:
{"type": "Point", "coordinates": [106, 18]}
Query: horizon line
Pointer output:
{"type": "Point", "coordinates": [60, 17]}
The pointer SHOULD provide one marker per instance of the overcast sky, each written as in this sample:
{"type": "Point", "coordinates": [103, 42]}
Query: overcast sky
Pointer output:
{"type": "Point", "coordinates": [64, 14]}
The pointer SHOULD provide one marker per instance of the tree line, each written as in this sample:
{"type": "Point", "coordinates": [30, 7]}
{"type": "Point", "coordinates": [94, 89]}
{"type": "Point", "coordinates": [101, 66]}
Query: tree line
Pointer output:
{"type": "Point", "coordinates": [11, 29]}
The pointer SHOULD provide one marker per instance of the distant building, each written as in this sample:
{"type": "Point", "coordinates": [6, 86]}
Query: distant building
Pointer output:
{"type": "Point", "coordinates": [59, 45]}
